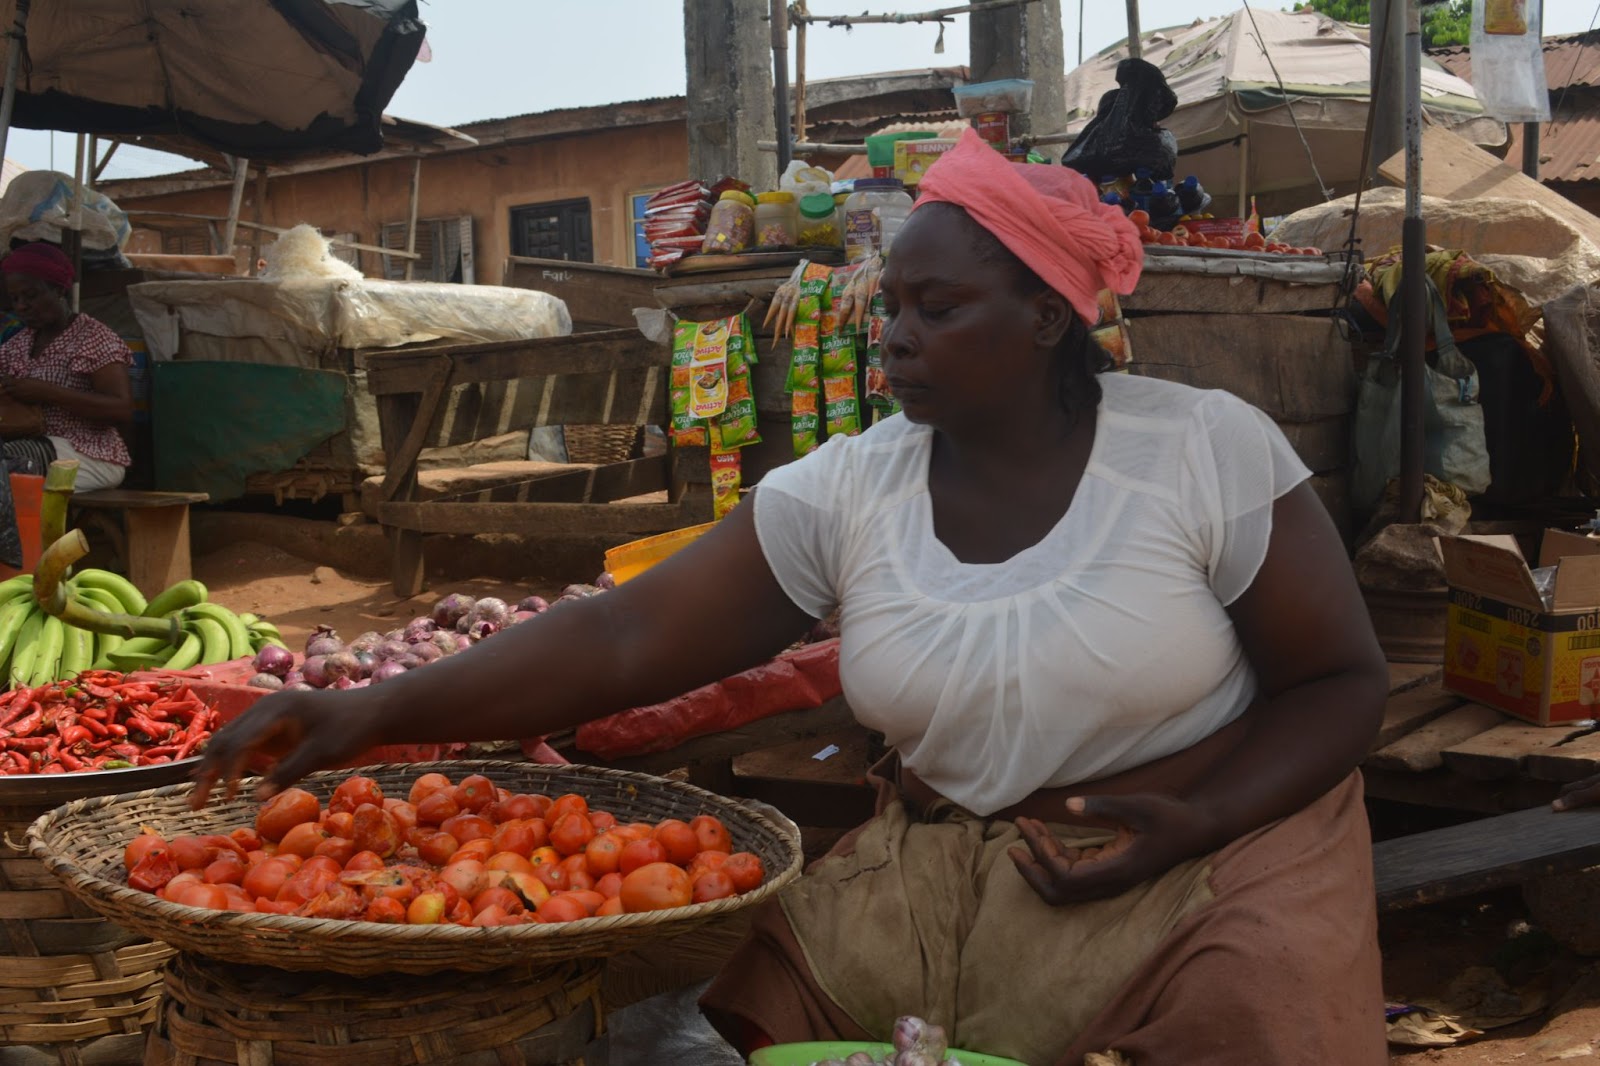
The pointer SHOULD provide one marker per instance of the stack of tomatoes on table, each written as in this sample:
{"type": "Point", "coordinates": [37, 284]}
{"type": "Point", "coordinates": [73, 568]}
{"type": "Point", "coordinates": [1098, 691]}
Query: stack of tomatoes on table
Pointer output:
{"type": "Point", "coordinates": [1182, 236]}
{"type": "Point", "coordinates": [468, 853]}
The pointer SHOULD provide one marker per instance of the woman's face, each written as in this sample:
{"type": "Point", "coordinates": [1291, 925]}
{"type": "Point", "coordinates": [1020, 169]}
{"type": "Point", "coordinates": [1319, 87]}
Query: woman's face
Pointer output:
{"type": "Point", "coordinates": [965, 337]}
{"type": "Point", "coordinates": [39, 304]}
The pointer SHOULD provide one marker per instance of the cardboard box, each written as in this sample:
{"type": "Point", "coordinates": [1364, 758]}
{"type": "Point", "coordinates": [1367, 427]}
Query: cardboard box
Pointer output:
{"type": "Point", "coordinates": [1503, 647]}
{"type": "Point", "coordinates": [913, 158]}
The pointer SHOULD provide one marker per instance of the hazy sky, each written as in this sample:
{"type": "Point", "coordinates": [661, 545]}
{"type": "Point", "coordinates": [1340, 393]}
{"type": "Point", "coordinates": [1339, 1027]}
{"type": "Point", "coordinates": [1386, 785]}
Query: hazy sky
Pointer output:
{"type": "Point", "coordinates": [493, 58]}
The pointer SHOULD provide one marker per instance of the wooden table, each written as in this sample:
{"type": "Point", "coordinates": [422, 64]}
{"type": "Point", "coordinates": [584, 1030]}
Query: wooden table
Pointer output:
{"type": "Point", "coordinates": [152, 538]}
{"type": "Point", "coordinates": [1437, 749]}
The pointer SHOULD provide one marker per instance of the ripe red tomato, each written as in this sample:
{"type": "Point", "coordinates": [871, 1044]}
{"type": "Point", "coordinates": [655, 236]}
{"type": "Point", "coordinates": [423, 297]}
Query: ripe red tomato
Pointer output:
{"type": "Point", "coordinates": [226, 870]}
{"type": "Point", "coordinates": [189, 853]}
{"type": "Point", "coordinates": [509, 862]}
{"type": "Point", "coordinates": [491, 916]}
{"type": "Point", "coordinates": [529, 889]}
{"type": "Point", "coordinates": [613, 905]}
{"type": "Point", "coordinates": [713, 884]}
{"type": "Point", "coordinates": [545, 857]}
{"type": "Point", "coordinates": [637, 853]}
{"type": "Point", "coordinates": [140, 846]}
{"type": "Point", "coordinates": [468, 827]}
{"type": "Point", "coordinates": [303, 839]}
{"type": "Point", "coordinates": [353, 792]}
{"type": "Point", "coordinates": [553, 876]}
{"type": "Point", "coordinates": [496, 896]}
{"type": "Point", "coordinates": [571, 833]}
{"type": "Point", "coordinates": [427, 785]}
{"type": "Point", "coordinates": [404, 815]}
{"type": "Point", "coordinates": [657, 886]}
{"type": "Point", "coordinates": [386, 910]}
{"type": "Point", "coordinates": [571, 803]}
{"type": "Point", "coordinates": [363, 861]}
{"type": "Point", "coordinates": [210, 897]}
{"type": "Point", "coordinates": [562, 908]}
{"type": "Point", "coordinates": [744, 870]}
{"type": "Point", "coordinates": [591, 900]}
{"type": "Point", "coordinates": [338, 849]}
{"type": "Point", "coordinates": [427, 909]}
{"type": "Point", "coordinates": [519, 836]}
{"type": "Point", "coordinates": [480, 850]}
{"type": "Point", "coordinates": [602, 820]}
{"type": "Point", "coordinates": [681, 842]}
{"type": "Point", "coordinates": [437, 808]}
{"type": "Point", "coordinates": [283, 812]}
{"type": "Point", "coordinates": [517, 808]}
{"type": "Point", "coordinates": [712, 834]}
{"type": "Point", "coordinates": [266, 880]}
{"type": "Point", "coordinates": [438, 848]}
{"type": "Point", "coordinates": [609, 885]}
{"type": "Point", "coordinates": [154, 871]}
{"type": "Point", "coordinates": [342, 824]}
{"type": "Point", "coordinates": [604, 854]}
{"type": "Point", "coordinates": [476, 793]}
{"type": "Point", "coordinates": [247, 839]}
{"type": "Point", "coordinates": [376, 830]}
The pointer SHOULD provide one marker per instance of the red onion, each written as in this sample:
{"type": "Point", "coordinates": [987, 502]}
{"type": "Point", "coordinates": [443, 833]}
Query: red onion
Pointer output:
{"type": "Point", "coordinates": [534, 604]}
{"type": "Point", "coordinates": [368, 660]}
{"type": "Point", "coordinates": [395, 634]}
{"type": "Point", "coordinates": [298, 686]}
{"type": "Point", "coordinates": [342, 664]}
{"type": "Point", "coordinates": [491, 609]}
{"type": "Point", "coordinates": [426, 651]}
{"type": "Point", "coordinates": [578, 592]}
{"type": "Point", "coordinates": [315, 670]}
{"type": "Point", "coordinates": [270, 682]}
{"type": "Point", "coordinates": [445, 641]}
{"type": "Point", "coordinates": [368, 640]}
{"type": "Point", "coordinates": [605, 582]}
{"type": "Point", "coordinates": [323, 642]}
{"type": "Point", "coordinates": [274, 660]}
{"type": "Point", "coordinates": [518, 617]}
{"type": "Point", "coordinates": [294, 677]}
{"type": "Point", "coordinates": [363, 683]}
{"type": "Point", "coordinates": [387, 670]}
{"type": "Point", "coordinates": [463, 642]}
{"type": "Point", "coordinates": [418, 629]}
{"type": "Point", "coordinates": [392, 649]}
{"type": "Point", "coordinates": [450, 610]}
{"type": "Point", "coordinates": [343, 683]}
{"type": "Point", "coordinates": [410, 662]}
{"type": "Point", "coordinates": [482, 628]}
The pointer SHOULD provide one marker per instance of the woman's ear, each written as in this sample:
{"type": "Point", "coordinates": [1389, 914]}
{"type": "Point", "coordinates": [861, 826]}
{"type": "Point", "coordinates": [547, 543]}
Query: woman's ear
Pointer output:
{"type": "Point", "coordinates": [1052, 318]}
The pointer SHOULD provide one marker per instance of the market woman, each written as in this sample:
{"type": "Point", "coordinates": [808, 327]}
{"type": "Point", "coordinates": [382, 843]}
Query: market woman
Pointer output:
{"type": "Point", "coordinates": [71, 365]}
{"type": "Point", "coordinates": [1104, 623]}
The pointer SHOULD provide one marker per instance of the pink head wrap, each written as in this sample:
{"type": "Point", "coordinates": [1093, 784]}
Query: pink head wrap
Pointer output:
{"type": "Point", "coordinates": [43, 261]}
{"type": "Point", "coordinates": [1049, 217]}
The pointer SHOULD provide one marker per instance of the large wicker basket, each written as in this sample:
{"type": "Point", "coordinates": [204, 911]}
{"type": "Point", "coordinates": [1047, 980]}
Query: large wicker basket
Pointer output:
{"type": "Point", "coordinates": [82, 844]}
{"type": "Point", "coordinates": [217, 1014]}
{"type": "Point", "coordinates": [601, 444]}
{"type": "Point", "coordinates": [74, 987]}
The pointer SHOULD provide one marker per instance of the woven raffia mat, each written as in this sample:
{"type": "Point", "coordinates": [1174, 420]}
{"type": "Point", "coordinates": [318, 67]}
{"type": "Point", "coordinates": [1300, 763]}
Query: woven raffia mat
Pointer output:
{"type": "Point", "coordinates": [218, 1014]}
{"type": "Point", "coordinates": [82, 845]}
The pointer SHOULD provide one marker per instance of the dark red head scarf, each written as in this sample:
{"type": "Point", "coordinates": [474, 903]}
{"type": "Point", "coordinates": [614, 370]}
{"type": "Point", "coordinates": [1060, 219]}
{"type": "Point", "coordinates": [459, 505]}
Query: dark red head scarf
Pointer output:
{"type": "Point", "coordinates": [1051, 218]}
{"type": "Point", "coordinates": [40, 260]}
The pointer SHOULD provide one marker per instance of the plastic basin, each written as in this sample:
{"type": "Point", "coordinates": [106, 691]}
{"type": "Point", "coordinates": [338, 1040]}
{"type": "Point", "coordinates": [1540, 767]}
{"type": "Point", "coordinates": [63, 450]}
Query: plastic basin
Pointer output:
{"type": "Point", "coordinates": [634, 558]}
{"type": "Point", "coordinates": [806, 1054]}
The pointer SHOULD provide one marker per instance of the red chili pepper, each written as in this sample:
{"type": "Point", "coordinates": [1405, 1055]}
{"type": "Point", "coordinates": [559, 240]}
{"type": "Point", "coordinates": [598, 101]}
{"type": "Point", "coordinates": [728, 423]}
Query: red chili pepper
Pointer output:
{"type": "Point", "coordinates": [94, 725]}
{"type": "Point", "coordinates": [75, 734]}
{"type": "Point", "coordinates": [28, 743]}
{"type": "Point", "coordinates": [126, 751]}
{"type": "Point", "coordinates": [29, 724]}
{"type": "Point", "coordinates": [195, 737]}
{"type": "Point", "coordinates": [71, 761]}
{"type": "Point", "coordinates": [155, 760]}
{"type": "Point", "coordinates": [14, 709]}
{"type": "Point", "coordinates": [161, 749]}
{"type": "Point", "coordinates": [153, 730]}
{"type": "Point", "coordinates": [116, 729]}
{"type": "Point", "coordinates": [52, 768]}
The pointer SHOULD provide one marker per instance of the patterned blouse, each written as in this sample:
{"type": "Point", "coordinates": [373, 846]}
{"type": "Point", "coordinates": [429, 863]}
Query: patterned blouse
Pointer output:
{"type": "Point", "coordinates": [86, 345]}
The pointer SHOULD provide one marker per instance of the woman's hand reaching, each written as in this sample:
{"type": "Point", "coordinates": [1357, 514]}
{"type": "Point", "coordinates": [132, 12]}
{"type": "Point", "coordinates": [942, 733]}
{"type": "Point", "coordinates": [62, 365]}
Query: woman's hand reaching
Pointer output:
{"type": "Point", "coordinates": [1154, 833]}
{"type": "Point", "coordinates": [28, 390]}
{"type": "Point", "coordinates": [310, 730]}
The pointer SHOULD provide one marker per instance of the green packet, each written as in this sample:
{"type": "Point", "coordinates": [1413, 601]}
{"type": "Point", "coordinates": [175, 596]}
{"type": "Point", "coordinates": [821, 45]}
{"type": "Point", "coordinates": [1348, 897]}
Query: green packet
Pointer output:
{"type": "Point", "coordinates": [841, 406]}
{"type": "Point", "coordinates": [805, 422]}
{"type": "Point", "coordinates": [808, 328]}
{"type": "Point", "coordinates": [686, 430]}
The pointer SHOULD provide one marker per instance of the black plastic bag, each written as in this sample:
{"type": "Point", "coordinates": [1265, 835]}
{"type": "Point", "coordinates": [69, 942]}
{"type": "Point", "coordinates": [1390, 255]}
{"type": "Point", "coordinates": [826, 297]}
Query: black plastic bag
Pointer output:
{"type": "Point", "coordinates": [1125, 134]}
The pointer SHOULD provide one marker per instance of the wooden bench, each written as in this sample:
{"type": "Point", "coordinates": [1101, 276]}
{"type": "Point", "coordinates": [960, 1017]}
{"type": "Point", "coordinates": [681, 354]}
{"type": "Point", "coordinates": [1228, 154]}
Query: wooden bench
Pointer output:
{"type": "Point", "coordinates": [150, 531]}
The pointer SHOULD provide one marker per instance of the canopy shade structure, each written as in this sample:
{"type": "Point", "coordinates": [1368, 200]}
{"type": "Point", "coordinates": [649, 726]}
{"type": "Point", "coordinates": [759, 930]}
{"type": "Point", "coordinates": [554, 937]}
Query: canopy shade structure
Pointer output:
{"type": "Point", "coordinates": [266, 80]}
{"type": "Point", "coordinates": [1234, 125]}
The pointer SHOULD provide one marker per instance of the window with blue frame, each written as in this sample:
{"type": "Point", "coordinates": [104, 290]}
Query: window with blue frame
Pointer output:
{"type": "Point", "coordinates": [641, 247]}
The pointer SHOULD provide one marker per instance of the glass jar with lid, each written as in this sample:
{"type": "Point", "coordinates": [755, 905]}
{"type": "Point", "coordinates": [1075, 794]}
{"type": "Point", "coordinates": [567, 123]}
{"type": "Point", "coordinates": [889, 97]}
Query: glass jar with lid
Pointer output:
{"type": "Point", "coordinates": [819, 222]}
{"type": "Point", "coordinates": [876, 205]}
{"type": "Point", "coordinates": [732, 224]}
{"type": "Point", "coordinates": [777, 221]}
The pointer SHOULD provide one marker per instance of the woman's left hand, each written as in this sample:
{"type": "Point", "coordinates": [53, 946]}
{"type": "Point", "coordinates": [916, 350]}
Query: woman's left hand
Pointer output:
{"type": "Point", "coordinates": [27, 390]}
{"type": "Point", "coordinates": [1154, 833]}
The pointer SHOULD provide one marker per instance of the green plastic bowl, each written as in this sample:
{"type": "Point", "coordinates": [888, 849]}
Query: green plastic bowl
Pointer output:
{"type": "Point", "coordinates": [806, 1054]}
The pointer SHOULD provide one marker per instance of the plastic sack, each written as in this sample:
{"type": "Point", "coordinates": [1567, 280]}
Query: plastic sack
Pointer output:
{"type": "Point", "coordinates": [1508, 69]}
{"type": "Point", "coordinates": [803, 179]}
{"type": "Point", "coordinates": [1455, 449]}
{"type": "Point", "coordinates": [1125, 134]}
{"type": "Point", "coordinates": [37, 206]}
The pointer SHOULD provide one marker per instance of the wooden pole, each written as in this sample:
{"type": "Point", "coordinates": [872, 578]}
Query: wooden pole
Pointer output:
{"type": "Point", "coordinates": [411, 224]}
{"type": "Point", "coordinates": [8, 98]}
{"type": "Point", "coordinates": [780, 83]}
{"type": "Point", "coordinates": [260, 209]}
{"type": "Point", "coordinates": [800, 74]}
{"type": "Point", "coordinates": [99, 167]}
{"type": "Point", "coordinates": [1530, 149]}
{"type": "Point", "coordinates": [1244, 170]}
{"type": "Point", "coordinates": [241, 174]}
{"type": "Point", "coordinates": [1413, 276]}
{"type": "Point", "coordinates": [77, 222]}
{"type": "Point", "coordinates": [1135, 46]}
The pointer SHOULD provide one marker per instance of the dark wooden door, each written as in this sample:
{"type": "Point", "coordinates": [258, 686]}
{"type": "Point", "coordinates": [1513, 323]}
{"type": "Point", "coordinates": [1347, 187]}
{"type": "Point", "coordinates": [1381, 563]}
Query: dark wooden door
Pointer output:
{"type": "Point", "coordinates": [561, 230]}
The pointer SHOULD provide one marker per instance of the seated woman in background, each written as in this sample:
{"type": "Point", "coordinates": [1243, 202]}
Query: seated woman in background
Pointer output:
{"type": "Point", "coordinates": [70, 364]}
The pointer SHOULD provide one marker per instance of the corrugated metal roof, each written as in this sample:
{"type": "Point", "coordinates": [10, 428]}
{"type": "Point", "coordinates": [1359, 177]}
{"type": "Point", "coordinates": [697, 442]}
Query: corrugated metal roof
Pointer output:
{"type": "Point", "coordinates": [1569, 144]}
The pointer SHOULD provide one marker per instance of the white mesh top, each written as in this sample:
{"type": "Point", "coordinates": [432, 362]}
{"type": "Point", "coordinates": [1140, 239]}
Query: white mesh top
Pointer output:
{"type": "Point", "coordinates": [1104, 646]}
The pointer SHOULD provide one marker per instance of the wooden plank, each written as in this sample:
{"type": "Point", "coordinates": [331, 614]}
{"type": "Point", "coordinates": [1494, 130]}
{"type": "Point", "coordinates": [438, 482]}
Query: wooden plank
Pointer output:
{"type": "Point", "coordinates": [1421, 749]}
{"type": "Point", "coordinates": [1443, 789]}
{"type": "Point", "coordinates": [1411, 709]}
{"type": "Point", "coordinates": [601, 484]}
{"type": "Point", "coordinates": [1568, 762]}
{"type": "Point", "coordinates": [480, 410]}
{"type": "Point", "coordinates": [158, 547]}
{"type": "Point", "coordinates": [1296, 369]}
{"type": "Point", "coordinates": [536, 519]}
{"type": "Point", "coordinates": [397, 413]}
{"type": "Point", "coordinates": [691, 465]}
{"type": "Point", "coordinates": [1455, 169]}
{"type": "Point", "coordinates": [1477, 856]}
{"type": "Point", "coordinates": [131, 499]}
{"type": "Point", "coordinates": [601, 352]}
{"type": "Point", "coordinates": [46, 904]}
{"type": "Point", "coordinates": [597, 296]}
{"type": "Point", "coordinates": [1499, 752]}
{"type": "Point", "coordinates": [1403, 676]}
{"type": "Point", "coordinates": [401, 465]}
{"type": "Point", "coordinates": [768, 732]}
{"type": "Point", "coordinates": [1160, 291]}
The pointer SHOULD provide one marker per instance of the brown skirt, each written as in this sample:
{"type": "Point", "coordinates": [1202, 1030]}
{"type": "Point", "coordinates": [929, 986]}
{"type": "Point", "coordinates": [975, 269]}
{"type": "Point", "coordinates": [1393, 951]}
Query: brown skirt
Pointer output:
{"type": "Point", "coordinates": [1263, 952]}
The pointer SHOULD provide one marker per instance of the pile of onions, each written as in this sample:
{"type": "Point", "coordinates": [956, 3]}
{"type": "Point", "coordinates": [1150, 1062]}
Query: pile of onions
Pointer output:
{"type": "Point", "coordinates": [455, 622]}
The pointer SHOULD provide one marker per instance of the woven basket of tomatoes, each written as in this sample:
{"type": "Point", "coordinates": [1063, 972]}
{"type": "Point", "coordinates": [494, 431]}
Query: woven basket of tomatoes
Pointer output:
{"type": "Point", "coordinates": [399, 868]}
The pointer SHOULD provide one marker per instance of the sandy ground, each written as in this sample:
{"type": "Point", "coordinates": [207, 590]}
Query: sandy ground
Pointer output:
{"type": "Point", "coordinates": [1425, 949]}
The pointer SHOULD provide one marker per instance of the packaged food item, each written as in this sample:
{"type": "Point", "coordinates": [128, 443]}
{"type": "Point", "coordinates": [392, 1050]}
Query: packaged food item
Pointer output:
{"type": "Point", "coordinates": [819, 222]}
{"type": "Point", "coordinates": [777, 221]}
{"type": "Point", "coordinates": [878, 396]}
{"type": "Point", "coordinates": [882, 148]}
{"type": "Point", "coordinates": [726, 474]}
{"type": "Point", "coordinates": [876, 204]}
{"type": "Point", "coordinates": [913, 158]}
{"type": "Point", "coordinates": [732, 224]}
{"type": "Point", "coordinates": [837, 336]}
{"type": "Point", "coordinates": [1011, 96]}
{"type": "Point", "coordinates": [686, 430]}
{"type": "Point", "coordinates": [1112, 332]}
{"type": "Point", "coordinates": [803, 364]}
{"type": "Point", "coordinates": [841, 406]}
{"type": "Point", "coordinates": [805, 422]}
{"type": "Point", "coordinates": [1505, 18]}
{"type": "Point", "coordinates": [708, 370]}
{"type": "Point", "coordinates": [737, 425]}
